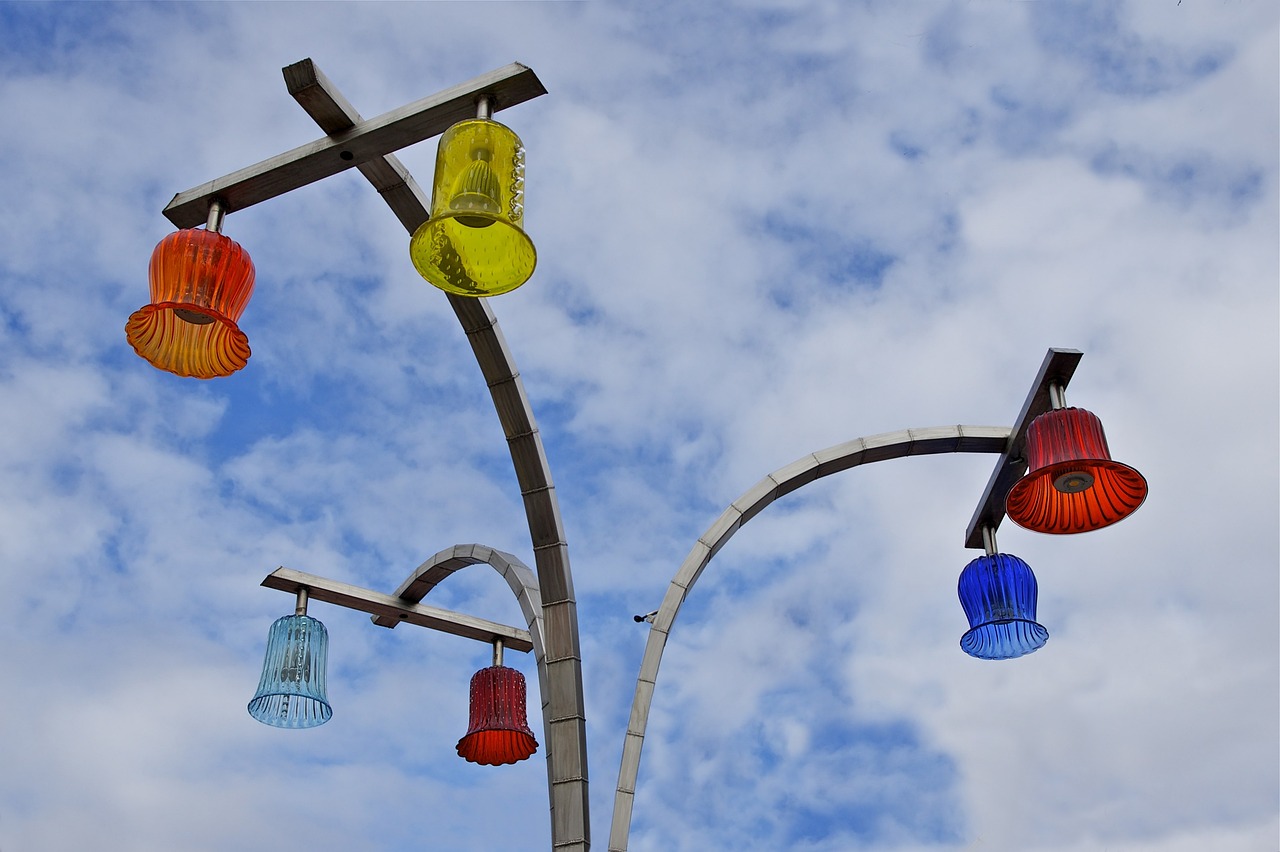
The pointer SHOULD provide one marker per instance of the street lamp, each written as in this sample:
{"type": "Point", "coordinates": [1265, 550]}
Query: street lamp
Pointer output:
{"type": "Point", "coordinates": [996, 590]}
{"type": "Point", "coordinates": [201, 282]}
{"type": "Point", "coordinates": [474, 244]}
{"type": "Point", "coordinates": [292, 692]}
{"type": "Point", "coordinates": [469, 242]}
{"type": "Point", "coordinates": [1074, 486]}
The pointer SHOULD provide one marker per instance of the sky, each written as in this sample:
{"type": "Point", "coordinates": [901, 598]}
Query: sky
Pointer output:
{"type": "Point", "coordinates": [763, 229]}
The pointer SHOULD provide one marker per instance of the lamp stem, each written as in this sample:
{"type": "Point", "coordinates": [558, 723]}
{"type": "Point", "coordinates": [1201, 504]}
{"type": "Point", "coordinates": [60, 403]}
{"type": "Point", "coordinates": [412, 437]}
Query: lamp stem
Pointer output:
{"type": "Point", "coordinates": [1057, 396]}
{"type": "Point", "coordinates": [989, 540]}
{"type": "Point", "coordinates": [484, 107]}
{"type": "Point", "coordinates": [497, 652]}
{"type": "Point", "coordinates": [300, 608]}
{"type": "Point", "coordinates": [216, 214]}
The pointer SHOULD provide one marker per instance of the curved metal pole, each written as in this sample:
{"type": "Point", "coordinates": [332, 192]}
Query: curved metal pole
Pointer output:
{"type": "Point", "coordinates": [523, 583]}
{"type": "Point", "coordinates": [892, 445]}
{"type": "Point", "coordinates": [560, 677]}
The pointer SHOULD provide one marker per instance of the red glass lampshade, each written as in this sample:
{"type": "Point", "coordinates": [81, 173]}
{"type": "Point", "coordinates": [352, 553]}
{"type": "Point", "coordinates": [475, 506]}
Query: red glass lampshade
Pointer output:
{"type": "Point", "coordinates": [499, 731]}
{"type": "Point", "coordinates": [1073, 485]}
{"type": "Point", "coordinates": [200, 284]}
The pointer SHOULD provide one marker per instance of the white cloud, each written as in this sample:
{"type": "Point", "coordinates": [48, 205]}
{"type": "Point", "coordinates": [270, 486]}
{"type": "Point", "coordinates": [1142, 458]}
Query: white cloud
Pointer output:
{"type": "Point", "coordinates": [762, 230]}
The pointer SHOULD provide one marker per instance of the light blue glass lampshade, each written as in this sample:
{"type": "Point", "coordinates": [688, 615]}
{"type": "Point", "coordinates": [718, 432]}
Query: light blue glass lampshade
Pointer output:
{"type": "Point", "coordinates": [291, 693]}
{"type": "Point", "coordinates": [998, 593]}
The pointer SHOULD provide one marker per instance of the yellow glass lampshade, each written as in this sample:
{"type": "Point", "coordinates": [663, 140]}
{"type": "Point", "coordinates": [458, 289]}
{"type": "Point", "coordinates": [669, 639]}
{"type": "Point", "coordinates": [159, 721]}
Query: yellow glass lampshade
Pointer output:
{"type": "Point", "coordinates": [474, 244]}
{"type": "Point", "coordinates": [200, 284]}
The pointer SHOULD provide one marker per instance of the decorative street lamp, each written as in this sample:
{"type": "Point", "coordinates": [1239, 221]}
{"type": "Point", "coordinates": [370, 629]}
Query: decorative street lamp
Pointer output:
{"type": "Point", "coordinates": [998, 593]}
{"type": "Point", "coordinates": [292, 692]}
{"type": "Point", "coordinates": [474, 243]}
{"type": "Point", "coordinates": [200, 284]}
{"type": "Point", "coordinates": [1074, 486]}
{"type": "Point", "coordinates": [470, 242]}
{"type": "Point", "coordinates": [499, 730]}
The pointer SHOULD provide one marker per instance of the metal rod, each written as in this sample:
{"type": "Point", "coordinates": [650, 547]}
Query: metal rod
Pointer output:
{"type": "Point", "coordinates": [217, 212]}
{"type": "Point", "coordinates": [300, 608]}
{"type": "Point", "coordinates": [989, 540]}
{"type": "Point", "coordinates": [484, 107]}
{"type": "Point", "coordinates": [1057, 396]}
{"type": "Point", "coordinates": [497, 652]}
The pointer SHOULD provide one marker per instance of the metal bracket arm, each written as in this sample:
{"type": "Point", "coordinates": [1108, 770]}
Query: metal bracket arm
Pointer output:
{"type": "Point", "coordinates": [389, 606]}
{"type": "Point", "coordinates": [367, 140]}
{"type": "Point", "coordinates": [1057, 369]}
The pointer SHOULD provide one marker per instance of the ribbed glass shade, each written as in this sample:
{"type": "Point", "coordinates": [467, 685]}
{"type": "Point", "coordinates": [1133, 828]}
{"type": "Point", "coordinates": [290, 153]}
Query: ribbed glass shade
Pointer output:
{"type": "Point", "coordinates": [499, 730]}
{"type": "Point", "coordinates": [998, 593]}
{"type": "Point", "coordinates": [200, 284]}
{"type": "Point", "coordinates": [474, 244]}
{"type": "Point", "coordinates": [1073, 485]}
{"type": "Point", "coordinates": [291, 693]}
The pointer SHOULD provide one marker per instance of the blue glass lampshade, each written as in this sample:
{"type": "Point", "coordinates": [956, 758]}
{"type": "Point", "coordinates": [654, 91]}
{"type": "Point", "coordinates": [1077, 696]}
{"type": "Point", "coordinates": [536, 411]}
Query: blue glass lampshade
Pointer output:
{"type": "Point", "coordinates": [291, 693]}
{"type": "Point", "coordinates": [998, 593]}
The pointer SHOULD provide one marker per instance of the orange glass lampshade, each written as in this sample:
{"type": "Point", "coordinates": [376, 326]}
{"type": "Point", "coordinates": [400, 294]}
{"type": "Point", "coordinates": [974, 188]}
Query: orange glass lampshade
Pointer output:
{"type": "Point", "coordinates": [474, 244]}
{"type": "Point", "coordinates": [1072, 485]}
{"type": "Point", "coordinates": [200, 284]}
{"type": "Point", "coordinates": [499, 730]}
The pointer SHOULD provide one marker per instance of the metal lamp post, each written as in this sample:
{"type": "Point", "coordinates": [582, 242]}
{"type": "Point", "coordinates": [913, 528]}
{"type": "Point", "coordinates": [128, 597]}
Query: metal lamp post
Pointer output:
{"type": "Point", "coordinates": [469, 241]}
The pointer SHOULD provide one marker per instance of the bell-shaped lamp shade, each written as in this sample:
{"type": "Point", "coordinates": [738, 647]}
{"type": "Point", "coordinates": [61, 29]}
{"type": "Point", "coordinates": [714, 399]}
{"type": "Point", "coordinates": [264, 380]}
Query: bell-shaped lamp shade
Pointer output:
{"type": "Point", "coordinates": [499, 730]}
{"type": "Point", "coordinates": [1072, 485]}
{"type": "Point", "coordinates": [200, 284]}
{"type": "Point", "coordinates": [474, 244]}
{"type": "Point", "coordinates": [291, 693]}
{"type": "Point", "coordinates": [998, 593]}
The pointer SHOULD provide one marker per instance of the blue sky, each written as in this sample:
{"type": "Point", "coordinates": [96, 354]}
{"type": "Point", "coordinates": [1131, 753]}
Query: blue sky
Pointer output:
{"type": "Point", "coordinates": [763, 229]}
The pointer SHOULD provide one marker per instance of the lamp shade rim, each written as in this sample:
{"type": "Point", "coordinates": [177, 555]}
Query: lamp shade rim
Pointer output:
{"type": "Point", "coordinates": [1004, 639]}
{"type": "Point", "coordinates": [265, 708]}
{"type": "Point", "coordinates": [423, 258]}
{"type": "Point", "coordinates": [148, 332]}
{"type": "Point", "coordinates": [1125, 486]}
{"type": "Point", "coordinates": [520, 745]}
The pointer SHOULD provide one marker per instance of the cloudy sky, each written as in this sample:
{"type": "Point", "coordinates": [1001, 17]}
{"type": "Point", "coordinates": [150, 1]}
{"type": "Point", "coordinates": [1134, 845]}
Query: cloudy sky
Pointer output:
{"type": "Point", "coordinates": [763, 229]}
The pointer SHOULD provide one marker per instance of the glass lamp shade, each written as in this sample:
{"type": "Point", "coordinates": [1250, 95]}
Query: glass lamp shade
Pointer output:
{"type": "Point", "coordinates": [291, 693]}
{"type": "Point", "coordinates": [1073, 485]}
{"type": "Point", "coordinates": [200, 284]}
{"type": "Point", "coordinates": [474, 244]}
{"type": "Point", "coordinates": [998, 593]}
{"type": "Point", "coordinates": [499, 730]}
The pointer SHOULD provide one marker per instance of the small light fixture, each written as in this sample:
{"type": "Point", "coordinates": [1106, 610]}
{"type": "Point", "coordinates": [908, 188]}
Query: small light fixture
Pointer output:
{"type": "Point", "coordinates": [200, 284]}
{"type": "Point", "coordinates": [291, 692]}
{"type": "Point", "coordinates": [499, 729]}
{"type": "Point", "coordinates": [998, 592]}
{"type": "Point", "coordinates": [1072, 485]}
{"type": "Point", "coordinates": [474, 244]}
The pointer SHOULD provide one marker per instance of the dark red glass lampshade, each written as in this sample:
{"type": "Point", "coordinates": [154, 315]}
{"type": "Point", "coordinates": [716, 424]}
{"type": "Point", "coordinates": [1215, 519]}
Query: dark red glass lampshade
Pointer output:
{"type": "Point", "coordinates": [499, 731]}
{"type": "Point", "coordinates": [200, 284]}
{"type": "Point", "coordinates": [1072, 485]}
